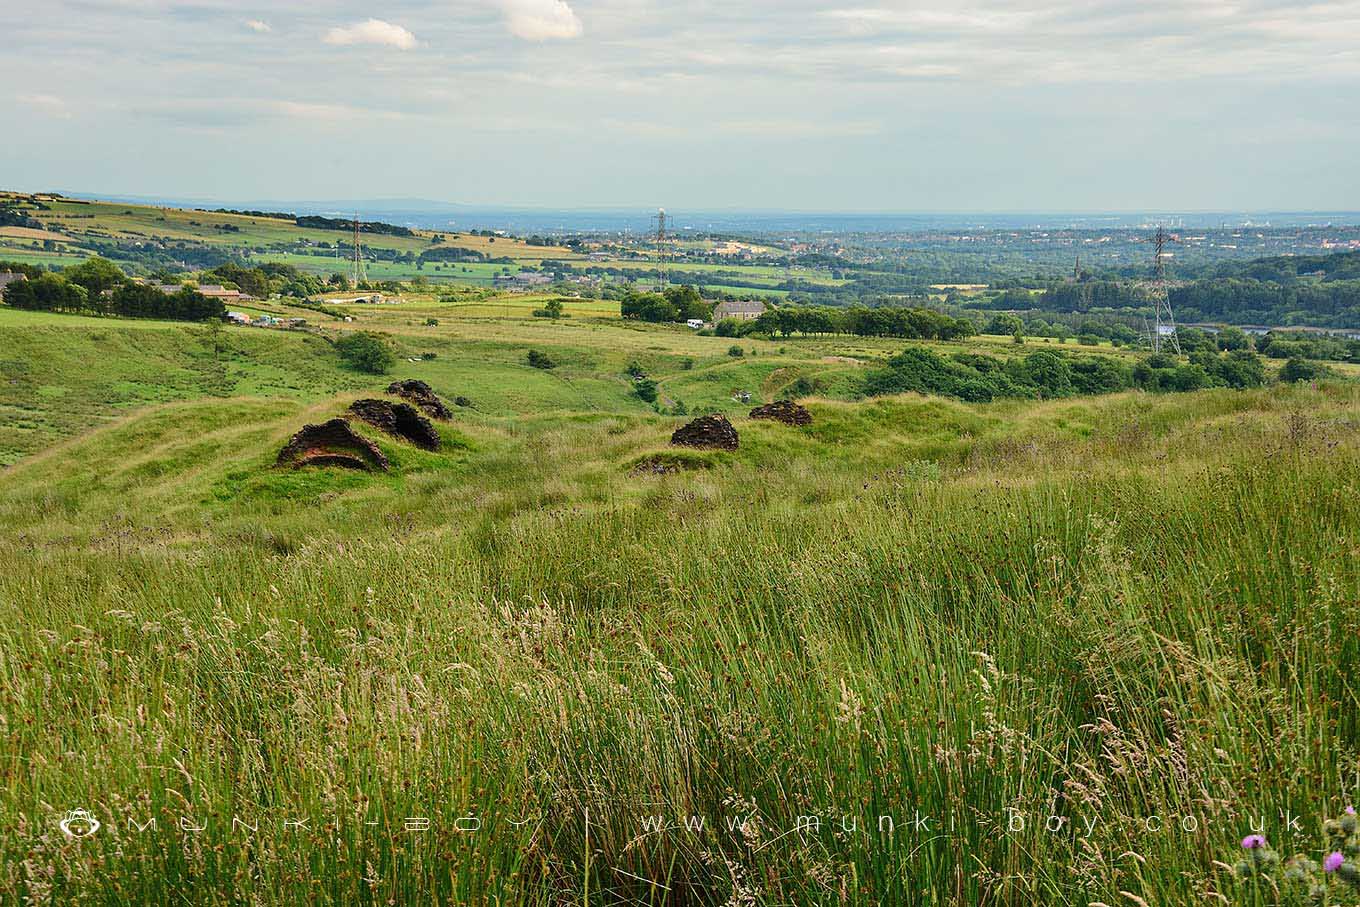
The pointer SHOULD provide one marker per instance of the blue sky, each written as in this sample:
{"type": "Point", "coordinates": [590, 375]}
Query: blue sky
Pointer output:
{"type": "Point", "coordinates": [858, 105]}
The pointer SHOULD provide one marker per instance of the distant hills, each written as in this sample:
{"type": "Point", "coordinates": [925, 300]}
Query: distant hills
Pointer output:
{"type": "Point", "coordinates": [432, 214]}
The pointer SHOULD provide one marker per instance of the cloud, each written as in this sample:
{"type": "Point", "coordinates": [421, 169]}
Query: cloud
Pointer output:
{"type": "Point", "coordinates": [541, 20]}
{"type": "Point", "coordinates": [49, 104]}
{"type": "Point", "coordinates": [374, 31]}
{"type": "Point", "coordinates": [256, 25]}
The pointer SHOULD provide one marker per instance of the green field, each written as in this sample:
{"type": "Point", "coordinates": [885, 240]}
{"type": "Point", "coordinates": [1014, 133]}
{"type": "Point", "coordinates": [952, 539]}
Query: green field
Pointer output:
{"type": "Point", "coordinates": [1101, 609]}
{"type": "Point", "coordinates": [263, 239]}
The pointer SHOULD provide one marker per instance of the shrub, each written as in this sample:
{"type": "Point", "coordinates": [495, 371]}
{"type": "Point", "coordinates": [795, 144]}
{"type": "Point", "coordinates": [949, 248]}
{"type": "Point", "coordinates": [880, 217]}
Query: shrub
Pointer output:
{"type": "Point", "coordinates": [735, 352]}
{"type": "Point", "coordinates": [540, 359]}
{"type": "Point", "coordinates": [1297, 369]}
{"type": "Point", "coordinates": [366, 352]}
{"type": "Point", "coordinates": [646, 389]}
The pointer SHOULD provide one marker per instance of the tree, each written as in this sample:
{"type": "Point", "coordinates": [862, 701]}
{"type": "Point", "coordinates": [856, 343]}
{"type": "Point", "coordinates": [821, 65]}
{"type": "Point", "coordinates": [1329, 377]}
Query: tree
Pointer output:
{"type": "Point", "coordinates": [1050, 372]}
{"type": "Point", "coordinates": [96, 275]}
{"type": "Point", "coordinates": [1004, 324]}
{"type": "Point", "coordinates": [46, 293]}
{"type": "Point", "coordinates": [366, 352]}
{"type": "Point", "coordinates": [1297, 369]}
{"type": "Point", "coordinates": [688, 303]}
{"type": "Point", "coordinates": [554, 308]}
{"type": "Point", "coordinates": [1231, 338]}
{"type": "Point", "coordinates": [648, 307]}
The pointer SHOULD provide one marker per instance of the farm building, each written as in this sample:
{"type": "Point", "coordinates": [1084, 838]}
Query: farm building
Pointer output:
{"type": "Point", "coordinates": [212, 291]}
{"type": "Point", "coordinates": [739, 309]}
{"type": "Point", "coordinates": [9, 277]}
{"type": "Point", "coordinates": [522, 280]}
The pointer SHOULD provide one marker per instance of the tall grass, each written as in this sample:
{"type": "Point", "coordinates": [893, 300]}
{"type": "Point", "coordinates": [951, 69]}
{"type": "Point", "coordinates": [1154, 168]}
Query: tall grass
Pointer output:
{"type": "Point", "coordinates": [1101, 611]}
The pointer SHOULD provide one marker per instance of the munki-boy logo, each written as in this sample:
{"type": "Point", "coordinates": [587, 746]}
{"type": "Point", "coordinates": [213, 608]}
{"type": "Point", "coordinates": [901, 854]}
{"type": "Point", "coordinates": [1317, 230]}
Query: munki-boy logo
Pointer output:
{"type": "Point", "coordinates": [79, 823]}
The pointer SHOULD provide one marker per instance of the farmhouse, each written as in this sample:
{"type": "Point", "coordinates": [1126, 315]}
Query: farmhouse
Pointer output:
{"type": "Point", "coordinates": [212, 291]}
{"type": "Point", "coordinates": [9, 277]}
{"type": "Point", "coordinates": [739, 309]}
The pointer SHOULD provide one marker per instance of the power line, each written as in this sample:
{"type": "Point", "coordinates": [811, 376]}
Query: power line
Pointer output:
{"type": "Point", "coordinates": [661, 241]}
{"type": "Point", "coordinates": [359, 273]}
{"type": "Point", "coordinates": [1163, 319]}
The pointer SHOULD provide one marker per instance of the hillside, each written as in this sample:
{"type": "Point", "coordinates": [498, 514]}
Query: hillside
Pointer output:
{"type": "Point", "coordinates": [536, 639]}
{"type": "Point", "coordinates": [66, 230]}
{"type": "Point", "coordinates": [914, 608]}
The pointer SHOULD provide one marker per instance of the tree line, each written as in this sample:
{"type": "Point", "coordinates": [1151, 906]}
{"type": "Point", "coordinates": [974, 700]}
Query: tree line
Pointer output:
{"type": "Point", "coordinates": [1048, 374]}
{"type": "Point", "coordinates": [98, 287]}
{"type": "Point", "coordinates": [676, 304]}
{"type": "Point", "coordinates": [1326, 303]}
{"type": "Point", "coordinates": [860, 321]}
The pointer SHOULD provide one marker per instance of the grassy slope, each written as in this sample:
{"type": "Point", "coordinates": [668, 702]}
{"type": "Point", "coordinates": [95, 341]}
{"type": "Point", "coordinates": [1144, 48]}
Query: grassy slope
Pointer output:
{"type": "Point", "coordinates": [1106, 608]}
{"type": "Point", "coordinates": [114, 220]}
{"type": "Point", "coordinates": [103, 221]}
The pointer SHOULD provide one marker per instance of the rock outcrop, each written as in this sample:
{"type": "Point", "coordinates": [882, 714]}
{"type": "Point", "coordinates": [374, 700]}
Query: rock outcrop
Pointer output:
{"type": "Point", "coordinates": [707, 432]}
{"type": "Point", "coordinates": [400, 419]}
{"type": "Point", "coordinates": [333, 443]}
{"type": "Point", "coordinates": [785, 411]}
{"type": "Point", "coordinates": [419, 393]}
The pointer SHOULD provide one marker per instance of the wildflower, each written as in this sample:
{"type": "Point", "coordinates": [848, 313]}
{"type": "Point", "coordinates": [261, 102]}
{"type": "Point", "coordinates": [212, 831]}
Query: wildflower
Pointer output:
{"type": "Point", "coordinates": [1350, 810]}
{"type": "Point", "coordinates": [1252, 842]}
{"type": "Point", "coordinates": [1333, 861]}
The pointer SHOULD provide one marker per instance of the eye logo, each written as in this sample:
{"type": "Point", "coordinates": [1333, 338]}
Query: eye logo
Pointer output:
{"type": "Point", "coordinates": [79, 824]}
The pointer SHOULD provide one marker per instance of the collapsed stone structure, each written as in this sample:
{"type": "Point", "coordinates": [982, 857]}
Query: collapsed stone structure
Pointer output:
{"type": "Point", "coordinates": [332, 443]}
{"type": "Point", "coordinates": [399, 419]}
{"type": "Point", "coordinates": [785, 411]}
{"type": "Point", "coordinates": [419, 393]}
{"type": "Point", "coordinates": [707, 432]}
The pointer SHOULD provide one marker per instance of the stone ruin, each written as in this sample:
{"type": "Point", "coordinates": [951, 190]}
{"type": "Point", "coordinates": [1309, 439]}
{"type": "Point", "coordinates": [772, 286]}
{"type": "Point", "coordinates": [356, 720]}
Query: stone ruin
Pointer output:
{"type": "Point", "coordinates": [419, 393]}
{"type": "Point", "coordinates": [707, 432]}
{"type": "Point", "coordinates": [400, 419]}
{"type": "Point", "coordinates": [785, 411]}
{"type": "Point", "coordinates": [333, 443]}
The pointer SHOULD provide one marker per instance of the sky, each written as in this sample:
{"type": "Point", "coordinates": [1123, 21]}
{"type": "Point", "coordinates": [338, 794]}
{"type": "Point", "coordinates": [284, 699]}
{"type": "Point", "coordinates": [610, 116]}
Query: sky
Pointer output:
{"type": "Point", "coordinates": [859, 105]}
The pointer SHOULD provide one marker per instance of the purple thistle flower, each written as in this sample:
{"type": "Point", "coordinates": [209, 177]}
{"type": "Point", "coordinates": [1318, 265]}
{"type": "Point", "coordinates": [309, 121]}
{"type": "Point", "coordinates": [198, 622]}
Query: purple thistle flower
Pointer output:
{"type": "Point", "coordinates": [1333, 861]}
{"type": "Point", "coordinates": [1251, 842]}
{"type": "Point", "coordinates": [1350, 810]}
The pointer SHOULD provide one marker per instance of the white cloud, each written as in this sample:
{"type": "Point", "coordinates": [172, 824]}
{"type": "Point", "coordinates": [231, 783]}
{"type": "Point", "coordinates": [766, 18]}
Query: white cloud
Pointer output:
{"type": "Point", "coordinates": [541, 20]}
{"type": "Point", "coordinates": [374, 31]}
{"type": "Point", "coordinates": [49, 104]}
{"type": "Point", "coordinates": [256, 25]}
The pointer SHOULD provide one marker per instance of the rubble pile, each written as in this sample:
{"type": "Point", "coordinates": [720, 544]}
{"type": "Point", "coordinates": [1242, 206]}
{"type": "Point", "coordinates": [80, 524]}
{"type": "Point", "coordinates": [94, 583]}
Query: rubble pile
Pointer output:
{"type": "Point", "coordinates": [400, 419]}
{"type": "Point", "coordinates": [707, 432]}
{"type": "Point", "coordinates": [785, 411]}
{"type": "Point", "coordinates": [333, 443]}
{"type": "Point", "coordinates": [419, 393]}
